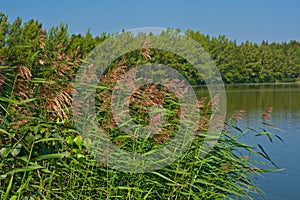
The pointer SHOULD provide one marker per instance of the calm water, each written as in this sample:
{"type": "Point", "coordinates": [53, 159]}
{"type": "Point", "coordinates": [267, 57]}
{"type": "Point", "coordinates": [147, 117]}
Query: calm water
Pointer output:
{"type": "Point", "coordinates": [285, 100]}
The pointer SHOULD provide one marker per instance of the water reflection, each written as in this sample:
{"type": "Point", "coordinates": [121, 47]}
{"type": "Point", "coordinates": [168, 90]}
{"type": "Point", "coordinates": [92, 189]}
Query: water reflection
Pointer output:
{"type": "Point", "coordinates": [258, 97]}
{"type": "Point", "coordinates": [285, 100]}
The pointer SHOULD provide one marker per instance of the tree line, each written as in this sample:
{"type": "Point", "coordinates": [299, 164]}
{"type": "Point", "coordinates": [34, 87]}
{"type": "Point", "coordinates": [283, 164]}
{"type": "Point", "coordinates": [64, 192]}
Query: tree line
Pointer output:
{"type": "Point", "coordinates": [248, 62]}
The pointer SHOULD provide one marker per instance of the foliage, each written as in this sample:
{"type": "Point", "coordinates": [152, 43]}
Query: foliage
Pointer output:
{"type": "Point", "coordinates": [238, 63]}
{"type": "Point", "coordinates": [43, 157]}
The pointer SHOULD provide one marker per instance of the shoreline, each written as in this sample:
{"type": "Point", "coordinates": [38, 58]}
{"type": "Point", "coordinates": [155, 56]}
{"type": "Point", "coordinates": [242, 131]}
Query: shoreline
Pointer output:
{"type": "Point", "coordinates": [253, 84]}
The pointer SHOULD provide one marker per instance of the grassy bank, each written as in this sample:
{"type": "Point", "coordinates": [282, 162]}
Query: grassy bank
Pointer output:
{"type": "Point", "coordinates": [44, 155]}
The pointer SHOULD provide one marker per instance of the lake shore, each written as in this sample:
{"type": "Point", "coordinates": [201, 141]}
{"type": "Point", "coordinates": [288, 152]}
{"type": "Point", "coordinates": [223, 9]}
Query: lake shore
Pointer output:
{"type": "Point", "coordinates": [254, 84]}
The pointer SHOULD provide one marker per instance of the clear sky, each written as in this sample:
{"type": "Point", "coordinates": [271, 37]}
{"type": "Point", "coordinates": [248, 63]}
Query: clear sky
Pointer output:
{"type": "Point", "coordinates": [254, 20]}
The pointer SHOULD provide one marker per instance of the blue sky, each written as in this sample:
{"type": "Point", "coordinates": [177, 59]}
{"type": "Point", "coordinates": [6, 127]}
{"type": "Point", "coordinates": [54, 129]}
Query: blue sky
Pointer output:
{"type": "Point", "coordinates": [253, 20]}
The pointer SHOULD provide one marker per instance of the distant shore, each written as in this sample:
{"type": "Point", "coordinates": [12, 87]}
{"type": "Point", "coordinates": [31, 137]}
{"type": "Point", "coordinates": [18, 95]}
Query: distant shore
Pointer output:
{"type": "Point", "coordinates": [253, 84]}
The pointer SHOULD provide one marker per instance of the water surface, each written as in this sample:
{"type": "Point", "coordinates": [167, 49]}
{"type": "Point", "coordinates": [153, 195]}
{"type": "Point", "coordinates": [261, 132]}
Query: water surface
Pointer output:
{"type": "Point", "coordinates": [285, 100]}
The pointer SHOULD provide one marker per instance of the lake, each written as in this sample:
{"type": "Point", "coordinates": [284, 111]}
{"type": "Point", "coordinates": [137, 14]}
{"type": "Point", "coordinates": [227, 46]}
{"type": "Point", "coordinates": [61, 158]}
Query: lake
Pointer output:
{"type": "Point", "coordinates": [285, 100]}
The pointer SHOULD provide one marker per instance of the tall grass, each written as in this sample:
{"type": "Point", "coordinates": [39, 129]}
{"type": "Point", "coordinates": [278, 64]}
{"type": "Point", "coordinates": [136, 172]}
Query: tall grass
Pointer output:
{"type": "Point", "coordinates": [44, 157]}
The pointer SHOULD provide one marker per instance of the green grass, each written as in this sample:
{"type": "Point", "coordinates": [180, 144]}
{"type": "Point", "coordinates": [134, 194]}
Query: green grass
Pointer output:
{"type": "Point", "coordinates": [42, 156]}
{"type": "Point", "coordinates": [48, 160]}
{"type": "Point", "coordinates": [65, 175]}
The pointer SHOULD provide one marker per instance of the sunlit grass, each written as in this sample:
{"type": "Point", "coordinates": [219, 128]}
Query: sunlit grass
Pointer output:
{"type": "Point", "coordinates": [44, 157]}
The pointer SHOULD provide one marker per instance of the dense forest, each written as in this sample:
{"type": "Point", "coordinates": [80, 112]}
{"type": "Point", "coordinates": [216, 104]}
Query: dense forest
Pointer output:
{"type": "Point", "coordinates": [28, 43]}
